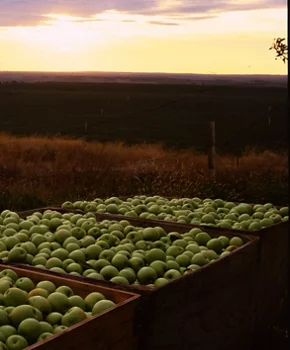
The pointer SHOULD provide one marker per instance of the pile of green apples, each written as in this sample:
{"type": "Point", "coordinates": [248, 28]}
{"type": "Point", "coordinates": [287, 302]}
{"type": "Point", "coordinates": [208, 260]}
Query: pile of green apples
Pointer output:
{"type": "Point", "coordinates": [196, 211]}
{"type": "Point", "coordinates": [108, 250]}
{"type": "Point", "coordinates": [31, 312]}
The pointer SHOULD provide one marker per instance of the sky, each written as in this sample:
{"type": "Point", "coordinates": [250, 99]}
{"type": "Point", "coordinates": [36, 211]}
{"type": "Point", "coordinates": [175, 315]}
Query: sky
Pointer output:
{"type": "Point", "coordinates": [174, 36]}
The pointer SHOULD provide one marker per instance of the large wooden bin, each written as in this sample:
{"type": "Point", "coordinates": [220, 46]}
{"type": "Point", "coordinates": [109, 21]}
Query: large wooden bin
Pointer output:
{"type": "Point", "coordinates": [211, 308]}
{"type": "Point", "coordinates": [111, 330]}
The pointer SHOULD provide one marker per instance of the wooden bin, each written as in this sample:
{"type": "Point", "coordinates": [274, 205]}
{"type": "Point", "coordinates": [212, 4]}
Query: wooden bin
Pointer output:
{"type": "Point", "coordinates": [112, 329]}
{"type": "Point", "coordinates": [212, 307]}
{"type": "Point", "coordinates": [273, 279]}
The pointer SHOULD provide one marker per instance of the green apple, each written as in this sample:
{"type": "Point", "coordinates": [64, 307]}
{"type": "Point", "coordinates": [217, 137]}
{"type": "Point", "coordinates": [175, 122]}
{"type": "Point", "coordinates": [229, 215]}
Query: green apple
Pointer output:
{"type": "Point", "coordinates": [67, 205]}
{"type": "Point", "coordinates": [160, 282]}
{"type": "Point", "coordinates": [136, 263]}
{"type": "Point", "coordinates": [108, 272]}
{"type": "Point", "coordinates": [160, 267]}
{"type": "Point", "coordinates": [45, 327]}
{"type": "Point", "coordinates": [183, 260]}
{"type": "Point", "coordinates": [102, 306]}
{"type": "Point", "coordinates": [21, 312]}
{"type": "Point", "coordinates": [59, 329]}
{"type": "Point", "coordinates": [120, 261]}
{"type": "Point", "coordinates": [225, 253]}
{"type": "Point", "coordinates": [70, 240]}
{"type": "Point", "coordinates": [9, 309]}
{"type": "Point", "coordinates": [25, 284]}
{"type": "Point", "coordinates": [54, 318]}
{"type": "Point", "coordinates": [67, 291]}
{"type": "Point", "coordinates": [129, 274]}
{"type": "Point", "coordinates": [40, 303]}
{"type": "Point", "coordinates": [96, 276]}
{"type": "Point", "coordinates": [30, 329]}
{"type": "Point", "coordinates": [73, 316]}
{"type": "Point", "coordinates": [40, 260]}
{"type": "Point", "coordinates": [92, 298]}
{"type": "Point", "coordinates": [155, 254]}
{"type": "Point", "coordinates": [60, 253]}
{"type": "Point", "coordinates": [119, 280]}
{"type": "Point", "coordinates": [74, 267]}
{"type": "Point", "coordinates": [67, 262]}
{"type": "Point", "coordinates": [124, 252]}
{"type": "Point", "coordinates": [7, 331]}
{"type": "Point", "coordinates": [210, 254]}
{"type": "Point", "coordinates": [258, 215]}
{"type": "Point", "coordinates": [58, 301]}
{"type": "Point", "coordinates": [44, 335]}
{"type": "Point", "coordinates": [4, 319]}
{"type": "Point", "coordinates": [78, 256]}
{"type": "Point", "coordinates": [151, 234]}
{"type": "Point", "coordinates": [174, 250]}
{"type": "Point", "coordinates": [225, 240]}
{"type": "Point", "coordinates": [16, 342]}
{"type": "Point", "coordinates": [37, 239]}
{"type": "Point", "coordinates": [199, 259]}
{"type": "Point", "coordinates": [87, 241]}
{"type": "Point", "coordinates": [202, 238]}
{"type": "Point", "coordinates": [146, 275]}
{"type": "Point", "coordinates": [53, 262]}
{"type": "Point", "coordinates": [11, 242]}
{"type": "Point", "coordinates": [38, 291]}
{"type": "Point", "coordinates": [236, 241]}
{"type": "Point", "coordinates": [172, 274]}
{"type": "Point", "coordinates": [78, 301]}
{"type": "Point", "coordinates": [208, 219]}
{"type": "Point", "coordinates": [284, 211]}
{"type": "Point", "coordinates": [172, 264]}
{"type": "Point", "coordinates": [193, 267]}
{"type": "Point", "coordinates": [244, 208]}
{"type": "Point", "coordinates": [100, 264]}
{"type": "Point", "coordinates": [266, 222]}
{"type": "Point", "coordinates": [215, 244]}
{"type": "Point", "coordinates": [15, 297]}
{"type": "Point", "coordinates": [93, 251]}
{"type": "Point", "coordinates": [5, 285]}
{"type": "Point", "coordinates": [61, 235]}
{"type": "Point", "coordinates": [192, 247]}
{"type": "Point", "coordinates": [255, 226]}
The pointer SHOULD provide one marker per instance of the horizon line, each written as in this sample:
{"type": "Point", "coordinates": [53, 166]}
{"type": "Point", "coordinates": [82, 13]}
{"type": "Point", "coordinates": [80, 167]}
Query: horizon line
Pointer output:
{"type": "Point", "coordinates": [140, 72]}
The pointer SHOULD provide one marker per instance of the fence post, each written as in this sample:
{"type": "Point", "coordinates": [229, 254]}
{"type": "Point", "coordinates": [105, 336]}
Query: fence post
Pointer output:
{"type": "Point", "coordinates": [212, 152]}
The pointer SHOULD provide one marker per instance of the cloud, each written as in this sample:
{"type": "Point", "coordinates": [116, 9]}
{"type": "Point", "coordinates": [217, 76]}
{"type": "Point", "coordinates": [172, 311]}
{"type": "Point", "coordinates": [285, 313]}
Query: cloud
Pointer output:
{"type": "Point", "coordinates": [30, 12]}
{"type": "Point", "coordinates": [163, 23]}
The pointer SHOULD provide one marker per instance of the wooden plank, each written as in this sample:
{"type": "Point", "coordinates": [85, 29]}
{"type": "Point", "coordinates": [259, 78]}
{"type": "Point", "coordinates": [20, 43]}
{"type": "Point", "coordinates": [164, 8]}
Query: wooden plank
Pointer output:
{"type": "Point", "coordinates": [111, 330]}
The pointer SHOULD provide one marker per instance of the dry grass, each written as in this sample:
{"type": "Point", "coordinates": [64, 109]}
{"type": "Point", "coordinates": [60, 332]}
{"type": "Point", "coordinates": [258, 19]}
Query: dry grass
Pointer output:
{"type": "Point", "coordinates": [55, 169]}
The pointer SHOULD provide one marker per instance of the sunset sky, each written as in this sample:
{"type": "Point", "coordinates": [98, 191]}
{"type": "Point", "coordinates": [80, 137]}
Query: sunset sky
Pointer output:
{"type": "Point", "coordinates": [182, 36]}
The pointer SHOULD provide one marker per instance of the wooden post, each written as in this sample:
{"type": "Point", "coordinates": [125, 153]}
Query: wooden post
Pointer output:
{"type": "Point", "coordinates": [212, 153]}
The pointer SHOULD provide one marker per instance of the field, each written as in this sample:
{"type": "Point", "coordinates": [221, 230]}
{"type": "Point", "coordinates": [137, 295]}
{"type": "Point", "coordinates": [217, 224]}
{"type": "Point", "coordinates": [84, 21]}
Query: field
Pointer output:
{"type": "Point", "coordinates": [174, 115]}
{"type": "Point", "coordinates": [168, 123]}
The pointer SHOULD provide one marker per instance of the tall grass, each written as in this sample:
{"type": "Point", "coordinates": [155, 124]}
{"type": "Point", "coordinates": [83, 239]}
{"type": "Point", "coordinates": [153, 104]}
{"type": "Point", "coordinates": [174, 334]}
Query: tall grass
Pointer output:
{"type": "Point", "coordinates": [38, 171]}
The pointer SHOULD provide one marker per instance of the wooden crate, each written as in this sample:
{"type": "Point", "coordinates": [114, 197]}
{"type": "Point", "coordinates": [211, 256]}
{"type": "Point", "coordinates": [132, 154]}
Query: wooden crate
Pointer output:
{"type": "Point", "coordinates": [273, 278]}
{"type": "Point", "coordinates": [212, 307]}
{"type": "Point", "coordinates": [112, 329]}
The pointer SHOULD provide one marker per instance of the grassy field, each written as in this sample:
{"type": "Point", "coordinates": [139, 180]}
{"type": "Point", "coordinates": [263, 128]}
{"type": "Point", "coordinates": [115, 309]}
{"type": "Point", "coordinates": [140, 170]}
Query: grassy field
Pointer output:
{"type": "Point", "coordinates": [149, 139]}
{"type": "Point", "coordinates": [174, 115]}
{"type": "Point", "coordinates": [37, 171]}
